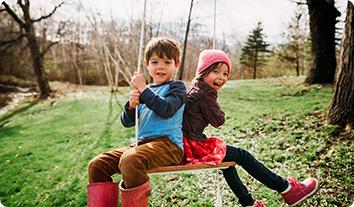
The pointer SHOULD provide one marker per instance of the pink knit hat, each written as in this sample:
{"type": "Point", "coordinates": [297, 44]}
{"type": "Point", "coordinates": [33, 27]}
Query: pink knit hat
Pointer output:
{"type": "Point", "coordinates": [209, 57]}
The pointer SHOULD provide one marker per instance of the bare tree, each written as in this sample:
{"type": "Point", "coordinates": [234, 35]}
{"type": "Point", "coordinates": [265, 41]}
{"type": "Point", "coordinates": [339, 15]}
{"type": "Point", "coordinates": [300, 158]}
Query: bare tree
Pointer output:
{"type": "Point", "coordinates": [293, 50]}
{"type": "Point", "coordinates": [181, 69]}
{"type": "Point", "coordinates": [26, 23]}
{"type": "Point", "coordinates": [341, 109]}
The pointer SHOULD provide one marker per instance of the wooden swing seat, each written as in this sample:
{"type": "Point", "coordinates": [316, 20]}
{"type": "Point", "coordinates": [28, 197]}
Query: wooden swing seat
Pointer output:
{"type": "Point", "coordinates": [189, 167]}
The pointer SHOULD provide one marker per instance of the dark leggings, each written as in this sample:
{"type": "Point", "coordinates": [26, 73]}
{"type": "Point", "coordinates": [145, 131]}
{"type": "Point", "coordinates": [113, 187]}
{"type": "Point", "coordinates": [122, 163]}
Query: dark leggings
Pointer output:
{"type": "Point", "coordinates": [255, 169]}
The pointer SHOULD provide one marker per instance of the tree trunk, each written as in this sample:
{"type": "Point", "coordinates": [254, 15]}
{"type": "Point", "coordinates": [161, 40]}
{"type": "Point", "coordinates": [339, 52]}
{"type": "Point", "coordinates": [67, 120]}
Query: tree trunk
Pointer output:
{"type": "Point", "coordinates": [37, 62]}
{"type": "Point", "coordinates": [341, 109]}
{"type": "Point", "coordinates": [255, 60]}
{"type": "Point", "coordinates": [297, 61]}
{"type": "Point", "coordinates": [37, 54]}
{"type": "Point", "coordinates": [181, 69]}
{"type": "Point", "coordinates": [323, 16]}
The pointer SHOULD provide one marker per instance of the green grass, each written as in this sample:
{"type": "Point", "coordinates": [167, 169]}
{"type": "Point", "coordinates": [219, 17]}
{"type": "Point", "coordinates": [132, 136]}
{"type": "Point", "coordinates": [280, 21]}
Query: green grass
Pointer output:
{"type": "Point", "coordinates": [46, 146]}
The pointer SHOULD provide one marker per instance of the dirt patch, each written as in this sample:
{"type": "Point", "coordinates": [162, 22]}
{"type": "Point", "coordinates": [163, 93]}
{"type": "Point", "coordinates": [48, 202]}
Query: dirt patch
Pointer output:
{"type": "Point", "coordinates": [60, 89]}
{"type": "Point", "coordinates": [11, 100]}
{"type": "Point", "coordinates": [14, 95]}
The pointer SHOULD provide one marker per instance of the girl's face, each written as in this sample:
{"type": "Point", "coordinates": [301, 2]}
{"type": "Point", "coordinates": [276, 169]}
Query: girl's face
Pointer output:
{"type": "Point", "coordinates": [218, 77]}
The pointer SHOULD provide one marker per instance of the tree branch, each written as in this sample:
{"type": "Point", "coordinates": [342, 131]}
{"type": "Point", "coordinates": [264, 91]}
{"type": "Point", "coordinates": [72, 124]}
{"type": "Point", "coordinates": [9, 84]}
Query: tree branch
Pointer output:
{"type": "Point", "coordinates": [59, 34]}
{"type": "Point", "coordinates": [6, 48]}
{"type": "Point", "coordinates": [298, 2]}
{"type": "Point", "coordinates": [13, 14]}
{"type": "Point", "coordinates": [9, 43]}
{"type": "Point", "coordinates": [19, 2]}
{"type": "Point", "coordinates": [49, 46]}
{"type": "Point", "coordinates": [25, 6]}
{"type": "Point", "coordinates": [2, 43]}
{"type": "Point", "coordinates": [50, 14]}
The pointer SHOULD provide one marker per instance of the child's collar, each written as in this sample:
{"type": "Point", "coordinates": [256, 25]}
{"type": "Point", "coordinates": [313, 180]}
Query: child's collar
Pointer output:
{"type": "Point", "coordinates": [202, 84]}
{"type": "Point", "coordinates": [168, 82]}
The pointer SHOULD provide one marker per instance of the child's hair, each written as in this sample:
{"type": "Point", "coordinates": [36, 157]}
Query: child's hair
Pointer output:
{"type": "Point", "coordinates": [162, 47]}
{"type": "Point", "coordinates": [208, 70]}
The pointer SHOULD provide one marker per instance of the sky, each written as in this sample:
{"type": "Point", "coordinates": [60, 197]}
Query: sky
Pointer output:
{"type": "Point", "coordinates": [236, 17]}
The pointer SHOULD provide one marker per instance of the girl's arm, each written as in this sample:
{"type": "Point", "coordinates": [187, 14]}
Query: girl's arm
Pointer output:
{"type": "Point", "coordinates": [211, 109]}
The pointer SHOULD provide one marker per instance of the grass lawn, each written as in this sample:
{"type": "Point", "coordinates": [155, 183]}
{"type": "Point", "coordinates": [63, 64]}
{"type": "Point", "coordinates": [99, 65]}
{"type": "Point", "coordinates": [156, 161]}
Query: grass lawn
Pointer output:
{"type": "Point", "coordinates": [46, 146]}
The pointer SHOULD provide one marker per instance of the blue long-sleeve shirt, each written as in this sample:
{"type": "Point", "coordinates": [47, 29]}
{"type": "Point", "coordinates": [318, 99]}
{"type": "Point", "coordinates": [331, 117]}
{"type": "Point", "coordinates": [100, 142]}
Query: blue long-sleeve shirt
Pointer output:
{"type": "Point", "coordinates": [160, 112]}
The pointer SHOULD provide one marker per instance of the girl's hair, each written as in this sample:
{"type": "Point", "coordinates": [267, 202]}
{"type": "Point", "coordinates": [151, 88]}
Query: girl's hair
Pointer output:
{"type": "Point", "coordinates": [209, 69]}
{"type": "Point", "coordinates": [163, 48]}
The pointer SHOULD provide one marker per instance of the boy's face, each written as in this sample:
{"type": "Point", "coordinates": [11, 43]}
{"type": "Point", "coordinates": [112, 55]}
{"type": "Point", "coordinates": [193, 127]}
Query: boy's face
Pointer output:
{"type": "Point", "coordinates": [218, 77]}
{"type": "Point", "coordinates": [161, 69]}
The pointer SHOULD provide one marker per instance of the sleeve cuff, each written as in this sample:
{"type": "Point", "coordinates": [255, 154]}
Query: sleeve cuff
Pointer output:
{"type": "Point", "coordinates": [127, 110]}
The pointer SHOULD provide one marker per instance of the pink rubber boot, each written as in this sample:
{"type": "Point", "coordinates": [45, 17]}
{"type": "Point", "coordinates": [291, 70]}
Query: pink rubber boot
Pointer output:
{"type": "Point", "coordinates": [102, 194]}
{"type": "Point", "coordinates": [135, 197]}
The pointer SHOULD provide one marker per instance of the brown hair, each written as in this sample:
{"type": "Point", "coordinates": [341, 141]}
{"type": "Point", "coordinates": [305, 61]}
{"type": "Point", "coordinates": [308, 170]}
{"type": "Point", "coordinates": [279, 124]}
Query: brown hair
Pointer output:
{"type": "Point", "coordinates": [162, 47]}
{"type": "Point", "coordinates": [208, 70]}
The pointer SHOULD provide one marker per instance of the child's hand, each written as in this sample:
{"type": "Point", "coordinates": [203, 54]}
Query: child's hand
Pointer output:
{"type": "Point", "coordinates": [138, 81]}
{"type": "Point", "coordinates": [133, 99]}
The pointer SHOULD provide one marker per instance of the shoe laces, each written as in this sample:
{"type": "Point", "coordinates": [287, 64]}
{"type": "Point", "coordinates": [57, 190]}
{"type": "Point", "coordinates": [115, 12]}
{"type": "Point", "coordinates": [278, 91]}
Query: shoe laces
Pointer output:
{"type": "Point", "coordinates": [259, 203]}
{"type": "Point", "coordinates": [295, 183]}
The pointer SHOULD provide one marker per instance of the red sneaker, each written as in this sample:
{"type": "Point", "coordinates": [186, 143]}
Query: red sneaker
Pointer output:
{"type": "Point", "coordinates": [259, 203]}
{"type": "Point", "coordinates": [299, 191]}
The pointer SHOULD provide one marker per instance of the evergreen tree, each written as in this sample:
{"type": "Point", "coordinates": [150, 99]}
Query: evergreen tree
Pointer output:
{"type": "Point", "coordinates": [254, 50]}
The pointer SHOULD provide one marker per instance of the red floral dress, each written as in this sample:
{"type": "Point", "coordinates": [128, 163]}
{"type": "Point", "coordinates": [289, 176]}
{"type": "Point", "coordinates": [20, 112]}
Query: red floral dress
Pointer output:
{"type": "Point", "coordinates": [211, 151]}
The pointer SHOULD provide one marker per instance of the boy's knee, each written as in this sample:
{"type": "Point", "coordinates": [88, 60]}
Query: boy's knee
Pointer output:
{"type": "Point", "coordinates": [130, 162]}
{"type": "Point", "coordinates": [93, 165]}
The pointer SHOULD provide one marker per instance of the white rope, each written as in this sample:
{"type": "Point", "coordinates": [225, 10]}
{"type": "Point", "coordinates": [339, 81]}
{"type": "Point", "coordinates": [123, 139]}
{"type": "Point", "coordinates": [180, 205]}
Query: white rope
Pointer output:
{"type": "Point", "coordinates": [139, 66]}
{"type": "Point", "coordinates": [218, 195]}
{"type": "Point", "coordinates": [141, 38]}
{"type": "Point", "coordinates": [214, 40]}
{"type": "Point", "coordinates": [214, 27]}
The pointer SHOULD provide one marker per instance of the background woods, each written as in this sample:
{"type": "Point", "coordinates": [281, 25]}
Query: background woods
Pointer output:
{"type": "Point", "coordinates": [94, 47]}
{"type": "Point", "coordinates": [292, 117]}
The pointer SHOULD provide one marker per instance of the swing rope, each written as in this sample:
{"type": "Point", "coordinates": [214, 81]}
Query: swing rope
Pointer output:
{"type": "Point", "coordinates": [214, 26]}
{"type": "Point", "coordinates": [139, 68]}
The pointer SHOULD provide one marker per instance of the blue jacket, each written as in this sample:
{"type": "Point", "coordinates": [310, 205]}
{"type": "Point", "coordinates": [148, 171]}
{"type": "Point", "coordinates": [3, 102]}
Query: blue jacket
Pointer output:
{"type": "Point", "coordinates": [160, 112]}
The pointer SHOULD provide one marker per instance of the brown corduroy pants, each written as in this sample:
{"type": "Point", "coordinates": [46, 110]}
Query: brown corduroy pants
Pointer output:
{"type": "Point", "coordinates": [133, 161]}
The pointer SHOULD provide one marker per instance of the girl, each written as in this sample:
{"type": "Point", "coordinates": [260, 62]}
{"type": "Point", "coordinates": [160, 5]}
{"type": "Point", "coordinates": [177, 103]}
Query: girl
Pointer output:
{"type": "Point", "coordinates": [202, 109]}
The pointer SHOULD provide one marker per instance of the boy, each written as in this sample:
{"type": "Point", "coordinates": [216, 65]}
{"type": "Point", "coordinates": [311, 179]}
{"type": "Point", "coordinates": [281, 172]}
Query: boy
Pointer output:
{"type": "Point", "coordinates": [160, 106]}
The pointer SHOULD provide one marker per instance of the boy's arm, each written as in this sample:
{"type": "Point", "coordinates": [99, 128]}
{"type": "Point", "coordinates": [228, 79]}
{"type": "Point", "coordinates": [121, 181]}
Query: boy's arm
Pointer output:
{"type": "Point", "coordinates": [127, 117]}
{"type": "Point", "coordinates": [165, 107]}
{"type": "Point", "coordinates": [211, 109]}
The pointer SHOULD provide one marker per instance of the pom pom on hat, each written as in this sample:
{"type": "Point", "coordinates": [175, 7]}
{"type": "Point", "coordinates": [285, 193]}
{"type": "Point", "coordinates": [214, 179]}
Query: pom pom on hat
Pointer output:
{"type": "Point", "coordinates": [209, 57]}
